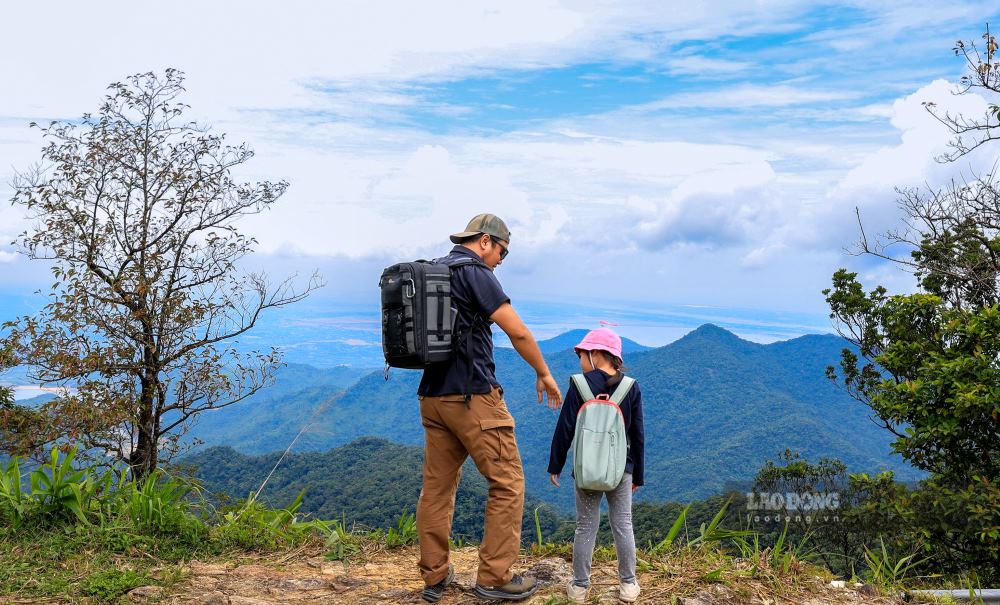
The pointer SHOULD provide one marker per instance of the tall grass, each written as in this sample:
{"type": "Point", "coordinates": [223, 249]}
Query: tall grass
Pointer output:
{"type": "Point", "coordinates": [887, 571]}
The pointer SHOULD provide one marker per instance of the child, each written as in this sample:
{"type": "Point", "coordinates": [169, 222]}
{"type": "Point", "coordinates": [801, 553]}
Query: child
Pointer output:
{"type": "Point", "coordinates": [600, 355]}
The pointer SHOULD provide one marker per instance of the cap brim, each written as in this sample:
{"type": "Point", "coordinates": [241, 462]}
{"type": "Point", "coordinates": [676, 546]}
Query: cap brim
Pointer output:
{"type": "Point", "coordinates": [458, 237]}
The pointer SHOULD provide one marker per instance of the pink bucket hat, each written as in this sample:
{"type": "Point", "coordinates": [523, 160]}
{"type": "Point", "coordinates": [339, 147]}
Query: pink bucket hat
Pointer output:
{"type": "Point", "coordinates": [601, 339]}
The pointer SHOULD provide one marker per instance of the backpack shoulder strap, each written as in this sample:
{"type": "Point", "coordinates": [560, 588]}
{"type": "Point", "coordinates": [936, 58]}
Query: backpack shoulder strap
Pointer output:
{"type": "Point", "coordinates": [581, 385]}
{"type": "Point", "coordinates": [462, 262]}
{"type": "Point", "coordinates": [622, 391]}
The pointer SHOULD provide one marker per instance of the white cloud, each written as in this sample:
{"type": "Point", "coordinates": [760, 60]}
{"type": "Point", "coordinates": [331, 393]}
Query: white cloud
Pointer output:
{"type": "Point", "coordinates": [710, 198]}
{"type": "Point", "coordinates": [745, 96]}
{"type": "Point", "coordinates": [910, 162]}
{"type": "Point", "coordinates": [706, 67]}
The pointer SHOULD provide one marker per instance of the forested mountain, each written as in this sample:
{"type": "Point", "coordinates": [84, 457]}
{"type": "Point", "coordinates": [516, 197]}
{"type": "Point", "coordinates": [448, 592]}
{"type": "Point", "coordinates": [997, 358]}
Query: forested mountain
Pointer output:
{"type": "Point", "coordinates": [369, 481]}
{"type": "Point", "coordinates": [270, 419]}
{"type": "Point", "coordinates": [716, 408]}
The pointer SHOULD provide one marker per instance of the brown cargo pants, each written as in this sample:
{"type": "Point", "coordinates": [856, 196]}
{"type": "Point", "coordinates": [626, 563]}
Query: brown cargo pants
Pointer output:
{"type": "Point", "coordinates": [453, 431]}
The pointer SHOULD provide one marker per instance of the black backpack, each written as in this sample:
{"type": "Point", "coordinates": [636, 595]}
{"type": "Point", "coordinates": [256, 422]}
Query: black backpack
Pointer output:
{"type": "Point", "coordinates": [418, 321]}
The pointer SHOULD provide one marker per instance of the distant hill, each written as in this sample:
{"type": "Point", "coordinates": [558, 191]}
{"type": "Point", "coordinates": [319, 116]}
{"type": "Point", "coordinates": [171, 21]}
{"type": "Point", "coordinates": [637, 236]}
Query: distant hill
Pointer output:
{"type": "Point", "coordinates": [370, 481]}
{"type": "Point", "coordinates": [270, 419]}
{"type": "Point", "coordinates": [716, 407]}
{"type": "Point", "coordinates": [568, 340]}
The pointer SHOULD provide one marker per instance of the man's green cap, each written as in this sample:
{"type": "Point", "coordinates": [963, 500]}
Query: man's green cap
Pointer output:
{"type": "Point", "coordinates": [490, 224]}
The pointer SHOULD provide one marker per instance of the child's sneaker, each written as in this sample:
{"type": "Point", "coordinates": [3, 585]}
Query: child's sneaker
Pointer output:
{"type": "Point", "coordinates": [576, 594]}
{"type": "Point", "coordinates": [628, 591]}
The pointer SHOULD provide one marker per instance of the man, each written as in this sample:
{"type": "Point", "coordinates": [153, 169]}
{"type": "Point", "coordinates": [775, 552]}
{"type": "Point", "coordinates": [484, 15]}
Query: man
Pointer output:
{"type": "Point", "coordinates": [463, 413]}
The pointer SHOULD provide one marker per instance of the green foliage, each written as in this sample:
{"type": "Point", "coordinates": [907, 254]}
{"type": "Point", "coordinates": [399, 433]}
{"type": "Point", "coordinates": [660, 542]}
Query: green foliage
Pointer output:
{"type": "Point", "coordinates": [58, 488]}
{"type": "Point", "coordinates": [931, 376]}
{"type": "Point", "coordinates": [675, 529]}
{"type": "Point", "coordinates": [14, 501]}
{"type": "Point", "coordinates": [157, 503]}
{"type": "Point", "coordinates": [368, 481]}
{"type": "Point", "coordinates": [886, 571]}
{"type": "Point", "coordinates": [713, 531]}
{"type": "Point", "coordinates": [404, 533]}
{"type": "Point", "coordinates": [340, 543]}
{"type": "Point", "coordinates": [6, 393]}
{"type": "Point", "coordinates": [251, 525]}
{"type": "Point", "coordinates": [737, 400]}
{"type": "Point", "coordinates": [538, 529]}
{"type": "Point", "coordinates": [106, 586]}
{"type": "Point", "coordinates": [138, 326]}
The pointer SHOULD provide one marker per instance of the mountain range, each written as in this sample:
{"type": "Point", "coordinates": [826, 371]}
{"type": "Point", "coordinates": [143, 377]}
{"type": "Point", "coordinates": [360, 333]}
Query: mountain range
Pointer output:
{"type": "Point", "coordinates": [716, 408]}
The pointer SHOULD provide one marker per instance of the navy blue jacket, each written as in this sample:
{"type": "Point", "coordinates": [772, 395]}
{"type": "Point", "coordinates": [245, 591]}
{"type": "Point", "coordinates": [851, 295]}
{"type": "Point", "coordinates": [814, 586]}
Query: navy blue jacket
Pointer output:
{"type": "Point", "coordinates": [631, 408]}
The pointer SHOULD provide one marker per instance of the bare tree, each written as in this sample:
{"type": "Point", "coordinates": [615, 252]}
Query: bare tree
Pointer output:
{"type": "Point", "coordinates": [983, 76]}
{"type": "Point", "coordinates": [137, 209]}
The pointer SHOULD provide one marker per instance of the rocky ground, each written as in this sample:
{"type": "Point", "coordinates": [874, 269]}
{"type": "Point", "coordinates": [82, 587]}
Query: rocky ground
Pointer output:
{"type": "Point", "coordinates": [390, 576]}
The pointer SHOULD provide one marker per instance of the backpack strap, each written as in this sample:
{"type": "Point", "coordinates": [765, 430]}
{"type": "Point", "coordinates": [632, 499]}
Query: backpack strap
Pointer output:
{"type": "Point", "coordinates": [477, 321]}
{"type": "Point", "coordinates": [581, 385]}
{"type": "Point", "coordinates": [467, 260]}
{"type": "Point", "coordinates": [622, 391]}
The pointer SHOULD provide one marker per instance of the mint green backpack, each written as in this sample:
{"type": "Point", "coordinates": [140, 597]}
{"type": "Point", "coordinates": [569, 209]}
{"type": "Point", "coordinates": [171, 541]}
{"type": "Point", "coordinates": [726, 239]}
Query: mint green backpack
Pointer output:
{"type": "Point", "coordinates": [600, 442]}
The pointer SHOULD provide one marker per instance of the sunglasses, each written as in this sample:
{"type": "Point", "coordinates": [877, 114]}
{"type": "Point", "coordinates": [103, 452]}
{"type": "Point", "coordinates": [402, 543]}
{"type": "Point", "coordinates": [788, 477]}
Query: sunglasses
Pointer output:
{"type": "Point", "coordinates": [503, 249]}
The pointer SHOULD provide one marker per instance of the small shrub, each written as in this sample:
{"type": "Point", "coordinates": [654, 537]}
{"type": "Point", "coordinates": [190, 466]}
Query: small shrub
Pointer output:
{"type": "Point", "coordinates": [404, 533]}
{"type": "Point", "coordinates": [886, 571]}
{"type": "Point", "coordinates": [159, 504]}
{"type": "Point", "coordinates": [61, 493]}
{"type": "Point", "coordinates": [13, 501]}
{"type": "Point", "coordinates": [340, 543]}
{"type": "Point", "coordinates": [108, 585]}
{"type": "Point", "coordinates": [253, 526]}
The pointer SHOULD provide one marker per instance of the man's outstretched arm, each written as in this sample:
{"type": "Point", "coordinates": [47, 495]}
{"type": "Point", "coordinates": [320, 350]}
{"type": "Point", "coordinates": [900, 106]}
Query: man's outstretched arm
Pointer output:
{"type": "Point", "coordinates": [524, 343]}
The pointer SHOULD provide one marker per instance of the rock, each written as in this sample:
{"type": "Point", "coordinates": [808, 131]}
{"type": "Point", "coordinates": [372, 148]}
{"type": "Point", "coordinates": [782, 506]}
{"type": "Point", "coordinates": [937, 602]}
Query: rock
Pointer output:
{"type": "Point", "coordinates": [214, 598]}
{"type": "Point", "coordinates": [208, 569]}
{"type": "Point", "coordinates": [838, 584]}
{"type": "Point", "coordinates": [552, 572]}
{"type": "Point", "coordinates": [303, 584]}
{"type": "Point", "coordinates": [249, 601]}
{"type": "Point", "coordinates": [349, 581]}
{"type": "Point", "coordinates": [142, 594]}
{"type": "Point", "coordinates": [869, 590]}
{"type": "Point", "coordinates": [390, 594]}
{"type": "Point", "coordinates": [696, 600]}
{"type": "Point", "coordinates": [252, 571]}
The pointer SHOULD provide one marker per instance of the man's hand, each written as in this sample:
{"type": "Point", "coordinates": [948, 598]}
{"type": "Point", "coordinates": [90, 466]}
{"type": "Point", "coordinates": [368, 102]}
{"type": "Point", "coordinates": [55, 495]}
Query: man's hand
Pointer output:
{"type": "Point", "coordinates": [547, 385]}
{"type": "Point", "coordinates": [634, 488]}
{"type": "Point", "coordinates": [554, 479]}
{"type": "Point", "coordinates": [525, 345]}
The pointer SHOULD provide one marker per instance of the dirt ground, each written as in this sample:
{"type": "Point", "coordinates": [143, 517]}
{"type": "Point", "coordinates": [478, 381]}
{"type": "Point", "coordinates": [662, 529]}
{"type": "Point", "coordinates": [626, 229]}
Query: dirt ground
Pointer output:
{"type": "Point", "coordinates": [390, 576]}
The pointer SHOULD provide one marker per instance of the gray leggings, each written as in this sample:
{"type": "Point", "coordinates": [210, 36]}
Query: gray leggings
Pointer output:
{"type": "Point", "coordinates": [588, 519]}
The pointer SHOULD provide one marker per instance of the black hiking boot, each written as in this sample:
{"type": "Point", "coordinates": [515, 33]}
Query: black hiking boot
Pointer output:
{"type": "Point", "coordinates": [433, 594]}
{"type": "Point", "coordinates": [518, 589]}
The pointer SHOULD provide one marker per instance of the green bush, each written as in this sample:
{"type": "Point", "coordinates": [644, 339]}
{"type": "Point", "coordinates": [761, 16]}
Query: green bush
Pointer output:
{"type": "Point", "coordinates": [159, 504]}
{"type": "Point", "coordinates": [14, 501]}
{"type": "Point", "coordinates": [252, 526]}
{"type": "Point", "coordinates": [107, 585]}
{"type": "Point", "coordinates": [404, 533]}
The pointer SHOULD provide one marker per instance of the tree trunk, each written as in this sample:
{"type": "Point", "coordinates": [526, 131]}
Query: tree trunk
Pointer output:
{"type": "Point", "coordinates": [144, 457]}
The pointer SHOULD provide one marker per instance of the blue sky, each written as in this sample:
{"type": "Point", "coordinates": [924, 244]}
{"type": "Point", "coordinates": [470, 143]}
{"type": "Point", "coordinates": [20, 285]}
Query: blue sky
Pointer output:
{"type": "Point", "coordinates": [650, 158]}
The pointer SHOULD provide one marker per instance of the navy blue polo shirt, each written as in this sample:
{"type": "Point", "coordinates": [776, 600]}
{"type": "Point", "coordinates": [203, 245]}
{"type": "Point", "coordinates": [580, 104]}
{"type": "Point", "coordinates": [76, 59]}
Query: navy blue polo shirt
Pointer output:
{"type": "Point", "coordinates": [474, 290]}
